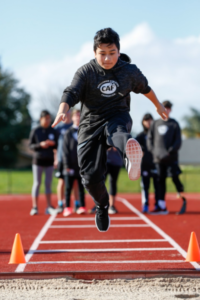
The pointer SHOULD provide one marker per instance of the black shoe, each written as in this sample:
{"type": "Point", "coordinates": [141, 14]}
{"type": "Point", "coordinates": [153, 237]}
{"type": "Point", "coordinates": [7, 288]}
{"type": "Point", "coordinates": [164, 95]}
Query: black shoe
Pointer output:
{"type": "Point", "coordinates": [159, 211]}
{"type": "Point", "coordinates": [102, 219]}
{"type": "Point", "coordinates": [183, 208]}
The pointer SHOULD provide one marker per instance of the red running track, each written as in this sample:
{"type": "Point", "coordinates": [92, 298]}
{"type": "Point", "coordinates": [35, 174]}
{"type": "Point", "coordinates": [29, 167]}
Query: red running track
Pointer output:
{"type": "Point", "coordinates": [133, 242]}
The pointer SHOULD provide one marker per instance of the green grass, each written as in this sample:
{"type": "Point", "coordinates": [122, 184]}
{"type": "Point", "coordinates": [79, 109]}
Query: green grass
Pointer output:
{"type": "Point", "coordinates": [20, 182]}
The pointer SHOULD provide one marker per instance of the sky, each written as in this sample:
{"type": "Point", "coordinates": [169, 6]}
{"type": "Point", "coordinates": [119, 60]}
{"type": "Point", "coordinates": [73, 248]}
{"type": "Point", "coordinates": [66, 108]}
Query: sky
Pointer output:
{"type": "Point", "coordinates": [44, 42]}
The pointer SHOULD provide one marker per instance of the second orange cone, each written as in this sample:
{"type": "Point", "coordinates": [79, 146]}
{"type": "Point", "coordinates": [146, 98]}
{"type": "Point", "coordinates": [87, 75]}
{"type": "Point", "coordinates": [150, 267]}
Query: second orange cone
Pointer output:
{"type": "Point", "coordinates": [193, 253]}
{"type": "Point", "coordinates": [17, 254]}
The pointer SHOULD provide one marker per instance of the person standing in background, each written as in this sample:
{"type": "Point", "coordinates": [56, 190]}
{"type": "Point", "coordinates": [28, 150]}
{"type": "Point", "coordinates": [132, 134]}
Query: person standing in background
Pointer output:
{"type": "Point", "coordinates": [70, 163]}
{"type": "Point", "coordinates": [114, 164]}
{"type": "Point", "coordinates": [148, 169]}
{"type": "Point", "coordinates": [164, 141]}
{"type": "Point", "coordinates": [61, 129]}
{"type": "Point", "coordinates": [43, 141]}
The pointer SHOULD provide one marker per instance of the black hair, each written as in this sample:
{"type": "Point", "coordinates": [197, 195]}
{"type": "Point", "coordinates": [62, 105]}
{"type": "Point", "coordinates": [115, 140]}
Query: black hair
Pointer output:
{"type": "Point", "coordinates": [106, 36]}
{"type": "Point", "coordinates": [167, 104]}
{"type": "Point", "coordinates": [44, 113]}
{"type": "Point", "coordinates": [146, 117]}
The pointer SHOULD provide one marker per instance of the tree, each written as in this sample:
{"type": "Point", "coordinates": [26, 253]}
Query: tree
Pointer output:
{"type": "Point", "coordinates": [15, 120]}
{"type": "Point", "coordinates": [192, 128]}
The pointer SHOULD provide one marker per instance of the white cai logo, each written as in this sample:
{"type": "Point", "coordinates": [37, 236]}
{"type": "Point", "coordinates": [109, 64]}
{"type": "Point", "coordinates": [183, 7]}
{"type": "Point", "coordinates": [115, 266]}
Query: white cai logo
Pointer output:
{"type": "Point", "coordinates": [51, 136]}
{"type": "Point", "coordinates": [108, 88]}
{"type": "Point", "coordinates": [162, 129]}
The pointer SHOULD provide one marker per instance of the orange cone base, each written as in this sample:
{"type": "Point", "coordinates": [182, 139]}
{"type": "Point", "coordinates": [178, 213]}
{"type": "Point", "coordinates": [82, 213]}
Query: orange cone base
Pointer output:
{"type": "Point", "coordinates": [193, 254]}
{"type": "Point", "coordinates": [17, 254]}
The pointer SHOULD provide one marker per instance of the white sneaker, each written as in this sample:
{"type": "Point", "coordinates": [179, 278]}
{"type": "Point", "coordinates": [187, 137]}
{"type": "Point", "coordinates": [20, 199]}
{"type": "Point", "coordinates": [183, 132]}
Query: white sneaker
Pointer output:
{"type": "Point", "coordinates": [34, 211]}
{"type": "Point", "coordinates": [81, 210]}
{"type": "Point", "coordinates": [133, 160]}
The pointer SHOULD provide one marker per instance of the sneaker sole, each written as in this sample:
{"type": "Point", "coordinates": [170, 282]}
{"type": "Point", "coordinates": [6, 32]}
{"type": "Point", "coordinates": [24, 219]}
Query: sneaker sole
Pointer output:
{"type": "Point", "coordinates": [97, 226]}
{"type": "Point", "coordinates": [134, 154]}
{"type": "Point", "coordinates": [81, 213]}
{"type": "Point", "coordinates": [67, 215]}
{"type": "Point", "coordinates": [112, 213]}
{"type": "Point", "coordinates": [159, 213]}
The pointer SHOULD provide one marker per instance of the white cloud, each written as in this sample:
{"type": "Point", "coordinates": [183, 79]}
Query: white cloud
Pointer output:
{"type": "Point", "coordinates": [171, 66]}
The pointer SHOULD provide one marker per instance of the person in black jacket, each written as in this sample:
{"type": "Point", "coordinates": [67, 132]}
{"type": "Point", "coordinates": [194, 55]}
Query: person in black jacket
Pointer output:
{"type": "Point", "coordinates": [164, 141]}
{"type": "Point", "coordinates": [148, 169]}
{"type": "Point", "coordinates": [71, 168]}
{"type": "Point", "coordinates": [43, 141]}
{"type": "Point", "coordinates": [103, 86]}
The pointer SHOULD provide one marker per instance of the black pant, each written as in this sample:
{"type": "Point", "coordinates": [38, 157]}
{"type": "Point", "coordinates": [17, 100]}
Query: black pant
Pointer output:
{"type": "Point", "coordinates": [69, 180]}
{"type": "Point", "coordinates": [113, 171]}
{"type": "Point", "coordinates": [92, 155]}
{"type": "Point", "coordinates": [162, 175]}
{"type": "Point", "coordinates": [145, 183]}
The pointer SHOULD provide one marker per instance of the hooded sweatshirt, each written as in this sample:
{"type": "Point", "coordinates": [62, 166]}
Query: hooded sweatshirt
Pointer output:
{"type": "Point", "coordinates": [43, 156]}
{"type": "Point", "coordinates": [164, 140]}
{"type": "Point", "coordinates": [103, 93]}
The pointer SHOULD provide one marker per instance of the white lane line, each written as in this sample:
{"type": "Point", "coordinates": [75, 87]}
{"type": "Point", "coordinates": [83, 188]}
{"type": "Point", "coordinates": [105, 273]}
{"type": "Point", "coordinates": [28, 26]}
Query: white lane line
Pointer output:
{"type": "Point", "coordinates": [94, 226]}
{"type": "Point", "coordinates": [93, 218]}
{"type": "Point", "coordinates": [103, 241]}
{"type": "Point", "coordinates": [107, 262]}
{"type": "Point", "coordinates": [158, 230]}
{"type": "Point", "coordinates": [102, 250]}
{"type": "Point", "coordinates": [36, 243]}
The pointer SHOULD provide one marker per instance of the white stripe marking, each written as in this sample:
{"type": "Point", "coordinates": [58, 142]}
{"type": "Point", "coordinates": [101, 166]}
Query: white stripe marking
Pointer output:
{"type": "Point", "coordinates": [108, 262]}
{"type": "Point", "coordinates": [103, 250]}
{"type": "Point", "coordinates": [92, 219]}
{"type": "Point", "coordinates": [94, 226]}
{"type": "Point", "coordinates": [36, 243]}
{"type": "Point", "coordinates": [158, 230]}
{"type": "Point", "coordinates": [102, 241]}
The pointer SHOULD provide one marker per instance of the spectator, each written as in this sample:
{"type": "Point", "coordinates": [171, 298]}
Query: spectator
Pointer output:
{"type": "Point", "coordinates": [43, 141]}
{"type": "Point", "coordinates": [164, 141]}
{"type": "Point", "coordinates": [148, 169]}
{"type": "Point", "coordinates": [61, 129]}
{"type": "Point", "coordinates": [71, 168]}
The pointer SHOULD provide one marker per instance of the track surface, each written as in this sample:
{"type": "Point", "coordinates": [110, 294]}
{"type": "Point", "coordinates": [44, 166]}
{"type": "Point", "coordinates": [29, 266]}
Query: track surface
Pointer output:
{"type": "Point", "coordinates": [133, 242]}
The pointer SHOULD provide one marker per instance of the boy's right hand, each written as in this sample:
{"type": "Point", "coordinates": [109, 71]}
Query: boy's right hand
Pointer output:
{"type": "Point", "coordinates": [60, 117]}
{"type": "Point", "coordinates": [162, 112]}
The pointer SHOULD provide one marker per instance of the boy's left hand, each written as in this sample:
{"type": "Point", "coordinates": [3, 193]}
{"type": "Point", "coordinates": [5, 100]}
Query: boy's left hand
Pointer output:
{"type": "Point", "coordinates": [162, 112]}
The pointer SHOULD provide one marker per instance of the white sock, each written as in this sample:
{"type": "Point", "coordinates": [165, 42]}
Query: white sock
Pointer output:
{"type": "Point", "coordinates": [162, 204]}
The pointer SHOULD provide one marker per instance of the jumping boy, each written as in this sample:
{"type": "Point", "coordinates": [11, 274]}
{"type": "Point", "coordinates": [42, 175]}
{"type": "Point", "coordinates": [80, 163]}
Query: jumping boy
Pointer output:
{"type": "Point", "coordinates": [103, 86]}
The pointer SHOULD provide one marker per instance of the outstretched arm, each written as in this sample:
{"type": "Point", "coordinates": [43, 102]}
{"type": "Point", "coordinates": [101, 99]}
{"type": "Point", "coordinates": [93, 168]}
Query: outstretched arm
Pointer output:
{"type": "Point", "coordinates": [61, 115]}
{"type": "Point", "coordinates": [159, 107]}
{"type": "Point", "coordinates": [71, 96]}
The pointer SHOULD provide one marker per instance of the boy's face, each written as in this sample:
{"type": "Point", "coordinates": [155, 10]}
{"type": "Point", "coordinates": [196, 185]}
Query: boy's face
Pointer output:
{"type": "Point", "coordinates": [45, 121]}
{"type": "Point", "coordinates": [76, 118]}
{"type": "Point", "coordinates": [107, 55]}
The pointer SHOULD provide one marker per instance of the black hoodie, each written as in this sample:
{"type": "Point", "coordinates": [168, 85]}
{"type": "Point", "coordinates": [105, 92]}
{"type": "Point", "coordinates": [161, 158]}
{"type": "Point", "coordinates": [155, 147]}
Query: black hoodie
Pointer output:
{"type": "Point", "coordinates": [103, 93]}
{"type": "Point", "coordinates": [164, 140]}
{"type": "Point", "coordinates": [43, 156]}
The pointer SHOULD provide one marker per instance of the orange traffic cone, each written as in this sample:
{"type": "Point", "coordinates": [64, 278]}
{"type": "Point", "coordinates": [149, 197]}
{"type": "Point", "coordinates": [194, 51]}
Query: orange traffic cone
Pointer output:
{"type": "Point", "coordinates": [193, 253]}
{"type": "Point", "coordinates": [17, 254]}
